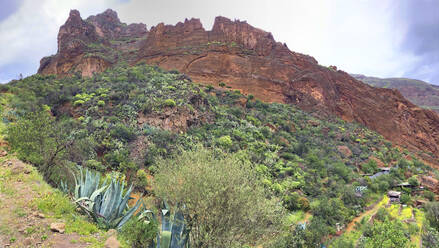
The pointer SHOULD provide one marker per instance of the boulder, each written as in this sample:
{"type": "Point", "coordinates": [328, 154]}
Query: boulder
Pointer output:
{"type": "Point", "coordinates": [112, 242]}
{"type": "Point", "coordinates": [58, 227]}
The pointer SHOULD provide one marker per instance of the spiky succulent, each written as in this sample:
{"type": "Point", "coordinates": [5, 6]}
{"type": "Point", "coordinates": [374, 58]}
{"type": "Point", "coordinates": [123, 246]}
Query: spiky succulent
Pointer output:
{"type": "Point", "coordinates": [174, 232]}
{"type": "Point", "coordinates": [86, 183]}
{"type": "Point", "coordinates": [105, 203]}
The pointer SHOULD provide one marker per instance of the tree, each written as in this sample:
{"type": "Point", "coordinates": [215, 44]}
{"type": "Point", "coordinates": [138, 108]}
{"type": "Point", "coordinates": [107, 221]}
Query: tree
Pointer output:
{"type": "Point", "coordinates": [294, 239]}
{"type": "Point", "coordinates": [432, 214]}
{"type": "Point", "coordinates": [405, 198]}
{"type": "Point", "coordinates": [430, 237]}
{"type": "Point", "coordinates": [413, 181]}
{"type": "Point", "coordinates": [224, 201]}
{"type": "Point", "coordinates": [343, 242]}
{"type": "Point", "coordinates": [385, 234]}
{"type": "Point", "coordinates": [41, 140]}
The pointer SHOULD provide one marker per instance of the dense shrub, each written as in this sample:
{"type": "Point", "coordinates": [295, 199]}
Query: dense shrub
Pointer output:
{"type": "Point", "coordinates": [292, 152]}
{"type": "Point", "coordinates": [95, 165]}
{"type": "Point", "coordinates": [236, 198]}
{"type": "Point", "coordinates": [123, 132]}
{"type": "Point", "coordinates": [139, 233]}
{"type": "Point", "coordinates": [432, 214]}
{"type": "Point", "coordinates": [405, 199]}
{"type": "Point", "coordinates": [142, 178]}
{"type": "Point", "coordinates": [225, 141]}
{"type": "Point", "coordinates": [39, 139]}
{"type": "Point", "coordinates": [385, 234]}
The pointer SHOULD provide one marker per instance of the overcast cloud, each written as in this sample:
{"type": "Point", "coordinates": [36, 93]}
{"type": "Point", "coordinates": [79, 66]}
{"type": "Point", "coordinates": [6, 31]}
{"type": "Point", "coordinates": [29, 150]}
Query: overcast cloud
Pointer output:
{"type": "Point", "coordinates": [384, 38]}
{"type": "Point", "coordinates": [421, 37]}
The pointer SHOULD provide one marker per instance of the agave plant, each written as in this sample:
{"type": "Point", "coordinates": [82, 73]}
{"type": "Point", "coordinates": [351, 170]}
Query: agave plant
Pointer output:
{"type": "Point", "coordinates": [174, 232]}
{"type": "Point", "coordinates": [86, 184]}
{"type": "Point", "coordinates": [106, 204]}
{"type": "Point", "coordinates": [64, 187]}
{"type": "Point", "coordinates": [111, 206]}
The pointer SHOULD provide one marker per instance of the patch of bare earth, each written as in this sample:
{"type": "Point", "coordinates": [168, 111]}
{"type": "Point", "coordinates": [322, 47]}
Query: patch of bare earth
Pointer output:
{"type": "Point", "coordinates": [21, 225]}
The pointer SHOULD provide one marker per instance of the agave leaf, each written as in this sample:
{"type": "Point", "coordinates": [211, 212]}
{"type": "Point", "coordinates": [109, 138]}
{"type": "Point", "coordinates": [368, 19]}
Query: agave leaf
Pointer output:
{"type": "Point", "coordinates": [114, 208]}
{"type": "Point", "coordinates": [109, 200]}
{"type": "Point", "coordinates": [77, 189]}
{"type": "Point", "coordinates": [177, 230]}
{"type": "Point", "coordinates": [104, 202]}
{"type": "Point", "coordinates": [85, 198]}
{"type": "Point", "coordinates": [129, 214]}
{"type": "Point", "coordinates": [125, 200]}
{"type": "Point", "coordinates": [144, 214]}
{"type": "Point", "coordinates": [165, 239]}
{"type": "Point", "coordinates": [97, 192]}
{"type": "Point", "coordinates": [166, 222]}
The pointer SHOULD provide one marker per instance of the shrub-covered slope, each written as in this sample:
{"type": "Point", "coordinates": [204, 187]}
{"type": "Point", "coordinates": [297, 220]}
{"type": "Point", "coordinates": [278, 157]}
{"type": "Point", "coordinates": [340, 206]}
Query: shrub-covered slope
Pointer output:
{"type": "Point", "coordinates": [127, 117]}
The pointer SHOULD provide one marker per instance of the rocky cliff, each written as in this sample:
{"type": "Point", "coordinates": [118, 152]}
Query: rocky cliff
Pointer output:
{"type": "Point", "coordinates": [92, 45]}
{"type": "Point", "coordinates": [245, 58]}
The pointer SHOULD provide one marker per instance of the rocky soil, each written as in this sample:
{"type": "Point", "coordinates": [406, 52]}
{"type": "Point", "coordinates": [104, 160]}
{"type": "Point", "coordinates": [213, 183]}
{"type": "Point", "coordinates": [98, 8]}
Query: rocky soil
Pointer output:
{"type": "Point", "coordinates": [22, 224]}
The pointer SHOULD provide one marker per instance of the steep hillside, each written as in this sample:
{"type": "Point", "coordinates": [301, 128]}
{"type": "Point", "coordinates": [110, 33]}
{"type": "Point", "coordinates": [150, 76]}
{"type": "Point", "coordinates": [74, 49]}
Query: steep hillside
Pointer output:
{"type": "Point", "coordinates": [419, 92]}
{"type": "Point", "coordinates": [245, 58]}
{"type": "Point", "coordinates": [33, 213]}
{"type": "Point", "coordinates": [29, 207]}
{"type": "Point", "coordinates": [128, 118]}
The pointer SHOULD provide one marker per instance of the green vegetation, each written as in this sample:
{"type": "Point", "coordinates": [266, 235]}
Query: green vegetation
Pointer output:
{"type": "Point", "coordinates": [140, 232]}
{"type": "Point", "coordinates": [105, 203]}
{"type": "Point", "coordinates": [119, 121]}
{"type": "Point", "coordinates": [236, 211]}
{"type": "Point", "coordinates": [386, 234]}
{"type": "Point", "coordinates": [32, 195]}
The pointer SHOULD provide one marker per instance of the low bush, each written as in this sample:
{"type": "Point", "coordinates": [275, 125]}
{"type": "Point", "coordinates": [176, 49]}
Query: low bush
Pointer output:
{"type": "Point", "coordinates": [142, 179]}
{"type": "Point", "coordinates": [139, 233]}
{"type": "Point", "coordinates": [169, 103]}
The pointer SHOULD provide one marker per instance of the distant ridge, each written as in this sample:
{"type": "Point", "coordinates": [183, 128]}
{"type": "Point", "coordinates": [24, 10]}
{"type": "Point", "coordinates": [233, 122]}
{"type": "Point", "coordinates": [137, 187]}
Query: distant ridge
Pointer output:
{"type": "Point", "coordinates": [419, 92]}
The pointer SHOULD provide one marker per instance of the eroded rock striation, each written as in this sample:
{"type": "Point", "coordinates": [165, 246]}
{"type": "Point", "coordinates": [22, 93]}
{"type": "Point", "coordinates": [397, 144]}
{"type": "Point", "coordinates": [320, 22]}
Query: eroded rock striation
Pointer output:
{"type": "Point", "coordinates": [244, 58]}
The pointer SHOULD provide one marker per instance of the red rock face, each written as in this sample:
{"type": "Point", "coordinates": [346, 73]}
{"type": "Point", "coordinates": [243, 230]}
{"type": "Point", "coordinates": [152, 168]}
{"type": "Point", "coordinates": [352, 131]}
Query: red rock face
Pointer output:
{"type": "Point", "coordinates": [79, 42]}
{"type": "Point", "coordinates": [108, 26]}
{"type": "Point", "coordinates": [249, 59]}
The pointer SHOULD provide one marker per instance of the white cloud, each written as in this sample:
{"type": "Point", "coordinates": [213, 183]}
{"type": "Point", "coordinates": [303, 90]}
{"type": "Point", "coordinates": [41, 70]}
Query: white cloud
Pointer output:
{"type": "Point", "coordinates": [30, 33]}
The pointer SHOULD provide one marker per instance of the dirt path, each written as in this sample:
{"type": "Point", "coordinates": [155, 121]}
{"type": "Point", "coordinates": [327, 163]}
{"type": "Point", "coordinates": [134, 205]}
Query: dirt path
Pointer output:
{"type": "Point", "coordinates": [373, 209]}
{"type": "Point", "coordinates": [21, 225]}
{"type": "Point", "coordinates": [308, 215]}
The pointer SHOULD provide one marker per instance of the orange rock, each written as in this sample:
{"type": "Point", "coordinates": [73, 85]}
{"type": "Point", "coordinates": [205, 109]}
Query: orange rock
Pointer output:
{"type": "Point", "coordinates": [344, 151]}
{"type": "Point", "coordinates": [248, 59]}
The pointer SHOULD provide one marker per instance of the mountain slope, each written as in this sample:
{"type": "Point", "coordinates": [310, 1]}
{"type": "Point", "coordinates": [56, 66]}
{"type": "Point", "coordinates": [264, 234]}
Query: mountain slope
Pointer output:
{"type": "Point", "coordinates": [419, 92]}
{"type": "Point", "coordinates": [128, 117]}
{"type": "Point", "coordinates": [244, 58]}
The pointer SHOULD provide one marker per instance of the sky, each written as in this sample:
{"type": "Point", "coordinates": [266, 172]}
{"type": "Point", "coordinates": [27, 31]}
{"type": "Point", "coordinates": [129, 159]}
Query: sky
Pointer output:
{"type": "Point", "coordinates": [382, 38]}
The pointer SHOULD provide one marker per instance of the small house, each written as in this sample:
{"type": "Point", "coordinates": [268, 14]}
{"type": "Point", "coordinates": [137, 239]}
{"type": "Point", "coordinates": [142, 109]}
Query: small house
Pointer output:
{"type": "Point", "coordinates": [406, 185]}
{"type": "Point", "coordinates": [383, 171]}
{"type": "Point", "coordinates": [394, 196]}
